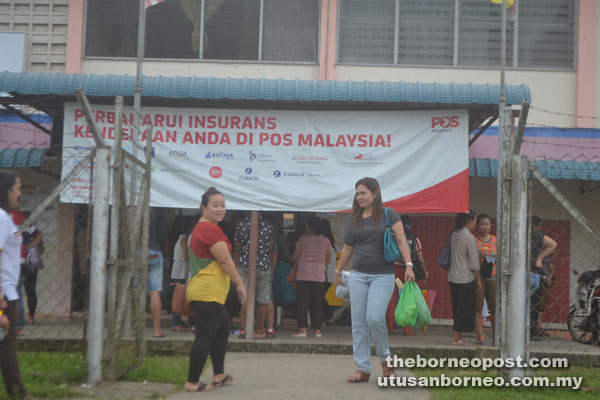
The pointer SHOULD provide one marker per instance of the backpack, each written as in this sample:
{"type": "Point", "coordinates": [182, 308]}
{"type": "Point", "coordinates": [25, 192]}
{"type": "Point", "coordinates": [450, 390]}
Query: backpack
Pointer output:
{"type": "Point", "coordinates": [444, 257]}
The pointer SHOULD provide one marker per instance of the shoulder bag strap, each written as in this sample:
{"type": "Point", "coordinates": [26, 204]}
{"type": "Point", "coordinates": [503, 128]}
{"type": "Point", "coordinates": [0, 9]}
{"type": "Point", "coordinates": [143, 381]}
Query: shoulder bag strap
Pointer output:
{"type": "Point", "coordinates": [387, 219]}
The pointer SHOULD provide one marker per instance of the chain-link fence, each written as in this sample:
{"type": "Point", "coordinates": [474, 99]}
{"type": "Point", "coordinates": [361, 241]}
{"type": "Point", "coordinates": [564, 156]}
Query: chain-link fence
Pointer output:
{"type": "Point", "coordinates": [565, 226]}
{"type": "Point", "coordinates": [128, 260]}
{"type": "Point", "coordinates": [53, 293]}
{"type": "Point", "coordinates": [58, 204]}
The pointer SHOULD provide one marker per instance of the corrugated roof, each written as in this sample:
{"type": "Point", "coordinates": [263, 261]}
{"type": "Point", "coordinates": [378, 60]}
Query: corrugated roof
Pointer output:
{"type": "Point", "coordinates": [15, 158]}
{"type": "Point", "coordinates": [552, 169]}
{"type": "Point", "coordinates": [261, 89]}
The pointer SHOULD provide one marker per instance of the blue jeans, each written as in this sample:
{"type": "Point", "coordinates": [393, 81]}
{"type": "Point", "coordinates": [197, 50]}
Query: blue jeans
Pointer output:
{"type": "Point", "coordinates": [370, 295]}
{"type": "Point", "coordinates": [155, 270]}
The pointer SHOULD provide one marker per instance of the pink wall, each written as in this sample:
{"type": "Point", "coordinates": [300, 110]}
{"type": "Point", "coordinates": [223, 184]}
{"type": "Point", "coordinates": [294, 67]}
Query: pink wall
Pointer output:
{"type": "Point", "coordinates": [23, 135]}
{"type": "Point", "coordinates": [585, 63]}
{"type": "Point", "coordinates": [327, 52]}
{"type": "Point", "coordinates": [75, 37]}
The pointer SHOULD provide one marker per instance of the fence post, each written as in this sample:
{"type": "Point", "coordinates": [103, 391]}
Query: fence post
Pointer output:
{"type": "Point", "coordinates": [114, 266]}
{"type": "Point", "coordinates": [99, 246]}
{"type": "Point", "coordinates": [252, 255]}
{"type": "Point", "coordinates": [505, 145]}
{"type": "Point", "coordinates": [517, 284]}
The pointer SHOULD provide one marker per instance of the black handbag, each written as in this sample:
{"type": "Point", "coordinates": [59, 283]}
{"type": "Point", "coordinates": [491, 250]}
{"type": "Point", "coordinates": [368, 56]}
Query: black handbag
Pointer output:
{"type": "Point", "coordinates": [486, 269]}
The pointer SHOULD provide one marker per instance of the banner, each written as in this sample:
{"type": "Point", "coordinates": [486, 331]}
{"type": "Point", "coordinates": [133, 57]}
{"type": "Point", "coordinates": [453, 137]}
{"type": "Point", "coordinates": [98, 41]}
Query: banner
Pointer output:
{"type": "Point", "coordinates": [289, 160]}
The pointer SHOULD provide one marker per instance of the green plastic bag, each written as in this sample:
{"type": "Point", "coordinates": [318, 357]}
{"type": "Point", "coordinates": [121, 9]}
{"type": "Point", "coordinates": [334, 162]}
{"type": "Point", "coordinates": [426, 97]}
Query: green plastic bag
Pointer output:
{"type": "Point", "coordinates": [406, 309]}
{"type": "Point", "coordinates": [424, 316]}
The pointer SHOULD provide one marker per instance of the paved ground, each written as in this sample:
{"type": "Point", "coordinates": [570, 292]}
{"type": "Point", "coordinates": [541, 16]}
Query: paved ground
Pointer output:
{"type": "Point", "coordinates": [299, 376]}
{"type": "Point", "coordinates": [50, 333]}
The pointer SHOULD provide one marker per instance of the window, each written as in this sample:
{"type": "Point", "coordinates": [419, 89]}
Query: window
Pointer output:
{"type": "Point", "coordinates": [111, 28]}
{"type": "Point", "coordinates": [425, 32]}
{"type": "Point", "coordinates": [206, 29]}
{"type": "Point", "coordinates": [540, 33]}
{"type": "Point", "coordinates": [547, 34]}
{"type": "Point", "coordinates": [479, 34]}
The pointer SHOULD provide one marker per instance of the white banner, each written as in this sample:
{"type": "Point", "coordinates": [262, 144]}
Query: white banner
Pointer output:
{"type": "Point", "coordinates": [289, 160]}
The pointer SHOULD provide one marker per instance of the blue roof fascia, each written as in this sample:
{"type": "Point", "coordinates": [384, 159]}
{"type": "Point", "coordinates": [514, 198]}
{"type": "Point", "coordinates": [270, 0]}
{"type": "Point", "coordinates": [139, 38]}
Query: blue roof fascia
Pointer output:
{"type": "Point", "coordinates": [552, 132]}
{"type": "Point", "coordinates": [20, 157]}
{"type": "Point", "coordinates": [211, 88]}
{"type": "Point", "coordinates": [552, 169]}
{"type": "Point", "coordinates": [15, 119]}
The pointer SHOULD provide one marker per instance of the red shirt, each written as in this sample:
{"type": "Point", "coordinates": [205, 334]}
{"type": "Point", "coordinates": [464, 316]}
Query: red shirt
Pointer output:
{"type": "Point", "coordinates": [204, 236]}
{"type": "Point", "coordinates": [18, 219]}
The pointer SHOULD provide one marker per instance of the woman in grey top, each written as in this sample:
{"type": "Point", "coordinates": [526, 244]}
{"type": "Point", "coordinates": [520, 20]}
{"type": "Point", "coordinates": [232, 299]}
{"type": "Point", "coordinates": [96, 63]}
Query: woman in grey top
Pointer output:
{"type": "Point", "coordinates": [371, 280]}
{"type": "Point", "coordinates": [463, 276]}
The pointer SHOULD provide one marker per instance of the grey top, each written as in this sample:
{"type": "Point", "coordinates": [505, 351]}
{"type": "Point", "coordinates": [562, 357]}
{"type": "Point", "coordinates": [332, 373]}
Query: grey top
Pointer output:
{"type": "Point", "coordinates": [464, 257]}
{"type": "Point", "coordinates": [368, 244]}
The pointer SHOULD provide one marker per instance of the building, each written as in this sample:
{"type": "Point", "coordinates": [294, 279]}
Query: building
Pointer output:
{"type": "Point", "coordinates": [553, 47]}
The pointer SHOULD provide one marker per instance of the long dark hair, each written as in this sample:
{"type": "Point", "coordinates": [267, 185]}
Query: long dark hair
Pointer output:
{"type": "Point", "coordinates": [211, 191]}
{"type": "Point", "coordinates": [326, 231]}
{"type": "Point", "coordinates": [357, 210]}
{"type": "Point", "coordinates": [315, 225]}
{"type": "Point", "coordinates": [7, 181]}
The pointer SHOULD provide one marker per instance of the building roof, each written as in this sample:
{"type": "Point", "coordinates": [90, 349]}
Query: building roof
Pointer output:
{"type": "Point", "coordinates": [552, 169]}
{"type": "Point", "coordinates": [211, 88]}
{"type": "Point", "coordinates": [21, 157]}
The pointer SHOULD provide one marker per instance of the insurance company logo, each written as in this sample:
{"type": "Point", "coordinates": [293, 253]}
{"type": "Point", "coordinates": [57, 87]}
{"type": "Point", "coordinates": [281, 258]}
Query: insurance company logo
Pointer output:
{"type": "Point", "coordinates": [260, 157]}
{"type": "Point", "coordinates": [215, 172]}
{"type": "Point", "coordinates": [219, 154]}
{"type": "Point", "coordinates": [155, 169]}
{"type": "Point", "coordinates": [178, 155]}
{"type": "Point", "coordinates": [367, 157]}
{"type": "Point", "coordinates": [444, 123]}
{"type": "Point", "coordinates": [290, 174]}
{"type": "Point", "coordinates": [249, 177]}
{"type": "Point", "coordinates": [310, 159]}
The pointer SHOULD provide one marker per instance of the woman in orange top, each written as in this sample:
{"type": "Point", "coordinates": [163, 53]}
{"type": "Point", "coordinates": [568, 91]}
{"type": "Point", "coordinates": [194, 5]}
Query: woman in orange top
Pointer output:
{"type": "Point", "coordinates": [486, 245]}
{"type": "Point", "coordinates": [212, 268]}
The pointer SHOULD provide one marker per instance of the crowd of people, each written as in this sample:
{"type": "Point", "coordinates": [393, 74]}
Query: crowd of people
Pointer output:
{"type": "Point", "coordinates": [212, 255]}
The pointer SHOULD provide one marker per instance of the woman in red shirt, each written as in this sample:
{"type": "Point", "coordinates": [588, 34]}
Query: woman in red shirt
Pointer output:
{"type": "Point", "coordinates": [212, 268]}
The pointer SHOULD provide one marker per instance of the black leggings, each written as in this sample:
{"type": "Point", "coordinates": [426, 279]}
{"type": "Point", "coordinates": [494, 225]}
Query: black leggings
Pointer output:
{"type": "Point", "coordinates": [29, 281]}
{"type": "Point", "coordinates": [309, 298]}
{"type": "Point", "coordinates": [212, 334]}
{"type": "Point", "coordinates": [9, 362]}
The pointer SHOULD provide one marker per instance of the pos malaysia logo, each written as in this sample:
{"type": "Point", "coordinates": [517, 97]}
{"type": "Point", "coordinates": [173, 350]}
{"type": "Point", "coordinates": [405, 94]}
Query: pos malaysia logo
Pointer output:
{"type": "Point", "coordinates": [444, 123]}
{"type": "Point", "coordinates": [215, 172]}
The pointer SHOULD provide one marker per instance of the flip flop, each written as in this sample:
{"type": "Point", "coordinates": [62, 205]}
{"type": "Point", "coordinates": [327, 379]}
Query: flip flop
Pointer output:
{"type": "Point", "coordinates": [162, 335]}
{"type": "Point", "coordinates": [225, 381]}
{"type": "Point", "coordinates": [358, 377]}
{"type": "Point", "coordinates": [201, 387]}
{"type": "Point", "coordinates": [460, 343]}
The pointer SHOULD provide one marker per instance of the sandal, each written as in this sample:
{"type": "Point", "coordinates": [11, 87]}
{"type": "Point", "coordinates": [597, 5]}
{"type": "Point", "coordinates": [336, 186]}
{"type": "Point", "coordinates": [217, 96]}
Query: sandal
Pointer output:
{"type": "Point", "coordinates": [387, 371]}
{"type": "Point", "coordinates": [480, 340]}
{"type": "Point", "coordinates": [358, 377]}
{"type": "Point", "coordinates": [179, 328]}
{"type": "Point", "coordinates": [201, 387]}
{"type": "Point", "coordinates": [408, 332]}
{"type": "Point", "coordinates": [460, 343]}
{"type": "Point", "coordinates": [299, 334]}
{"type": "Point", "coordinates": [225, 381]}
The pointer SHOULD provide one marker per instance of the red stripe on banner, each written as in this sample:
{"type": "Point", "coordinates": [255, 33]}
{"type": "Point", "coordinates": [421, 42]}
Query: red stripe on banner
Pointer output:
{"type": "Point", "coordinates": [451, 195]}
{"type": "Point", "coordinates": [150, 3]}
